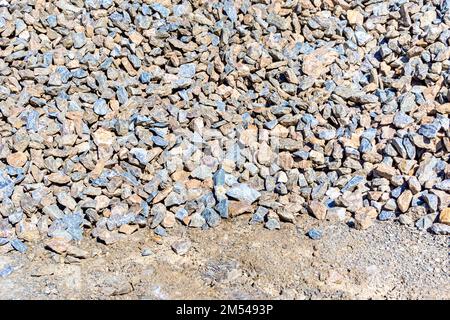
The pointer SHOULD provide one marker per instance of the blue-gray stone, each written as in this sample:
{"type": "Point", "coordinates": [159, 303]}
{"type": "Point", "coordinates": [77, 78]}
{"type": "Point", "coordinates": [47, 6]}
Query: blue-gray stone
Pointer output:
{"type": "Point", "coordinates": [431, 200]}
{"type": "Point", "coordinates": [443, 185]}
{"type": "Point", "coordinates": [19, 245]}
{"type": "Point", "coordinates": [281, 188]}
{"type": "Point", "coordinates": [141, 155]}
{"type": "Point", "coordinates": [106, 3]}
{"type": "Point", "coordinates": [352, 183]}
{"type": "Point", "coordinates": [122, 94]}
{"type": "Point", "coordinates": [369, 134]}
{"type": "Point", "coordinates": [230, 10]}
{"type": "Point", "coordinates": [106, 64]}
{"type": "Point", "coordinates": [212, 218]}
{"type": "Point", "coordinates": [3, 241]}
{"type": "Point", "coordinates": [159, 215]}
{"type": "Point", "coordinates": [163, 11]}
{"type": "Point", "coordinates": [222, 208]}
{"type": "Point", "coordinates": [73, 223]}
{"type": "Point", "coordinates": [259, 215]}
{"type": "Point", "coordinates": [179, 10]}
{"type": "Point", "coordinates": [160, 231]}
{"type": "Point", "coordinates": [181, 214]}
{"type": "Point", "coordinates": [327, 134]}
{"type": "Point", "coordinates": [52, 21]}
{"type": "Point", "coordinates": [146, 252]}
{"type": "Point", "coordinates": [64, 73]}
{"type": "Point", "coordinates": [208, 199]}
{"type": "Point", "coordinates": [145, 209]}
{"type": "Point", "coordinates": [395, 193]}
{"type": "Point", "coordinates": [272, 224]}
{"type": "Point", "coordinates": [425, 222]}
{"type": "Point", "coordinates": [410, 148]}
{"type": "Point", "coordinates": [79, 73]}
{"type": "Point", "coordinates": [270, 124]}
{"type": "Point", "coordinates": [402, 120]}
{"type": "Point", "coordinates": [135, 61]}
{"type": "Point", "coordinates": [47, 58]}
{"type": "Point", "coordinates": [187, 70]}
{"type": "Point", "coordinates": [362, 37]}
{"type": "Point", "coordinates": [15, 217]}
{"type": "Point", "coordinates": [365, 146]}
{"type": "Point", "coordinates": [6, 271]}
{"type": "Point", "coordinates": [310, 119]}
{"type": "Point", "coordinates": [301, 154]}
{"type": "Point", "coordinates": [243, 192]}
{"type": "Point", "coordinates": [440, 228]}
{"type": "Point", "coordinates": [160, 142]}
{"type": "Point", "coordinates": [219, 177]}
{"type": "Point", "coordinates": [32, 121]}
{"type": "Point", "coordinates": [314, 234]}
{"type": "Point", "coordinates": [386, 215]}
{"type": "Point", "coordinates": [145, 77]}
{"type": "Point", "coordinates": [100, 107]}
{"type": "Point", "coordinates": [79, 40]}
{"type": "Point", "coordinates": [329, 85]}
{"type": "Point", "coordinates": [197, 221]}
{"type": "Point", "coordinates": [428, 130]}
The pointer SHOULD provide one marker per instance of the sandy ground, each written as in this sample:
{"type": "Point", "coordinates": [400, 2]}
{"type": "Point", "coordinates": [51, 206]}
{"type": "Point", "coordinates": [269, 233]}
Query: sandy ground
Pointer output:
{"type": "Point", "coordinates": [240, 261]}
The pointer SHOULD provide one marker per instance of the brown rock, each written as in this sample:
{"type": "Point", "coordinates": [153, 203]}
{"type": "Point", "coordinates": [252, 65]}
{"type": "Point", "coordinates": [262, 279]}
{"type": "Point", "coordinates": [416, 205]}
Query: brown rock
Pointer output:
{"type": "Point", "coordinates": [354, 17]}
{"type": "Point", "coordinates": [77, 252]}
{"type": "Point", "coordinates": [59, 178]}
{"type": "Point", "coordinates": [128, 229]}
{"type": "Point", "coordinates": [236, 208]}
{"type": "Point", "coordinates": [58, 245]}
{"type": "Point", "coordinates": [285, 160]}
{"type": "Point", "coordinates": [264, 154]}
{"type": "Point", "coordinates": [404, 200]}
{"type": "Point", "coordinates": [108, 237]}
{"type": "Point", "coordinates": [365, 218]}
{"type": "Point", "coordinates": [101, 202]}
{"type": "Point", "coordinates": [169, 220]}
{"type": "Point", "coordinates": [103, 137]}
{"type": "Point", "coordinates": [315, 63]}
{"type": "Point", "coordinates": [286, 216]}
{"type": "Point", "coordinates": [17, 159]}
{"type": "Point", "coordinates": [318, 209]}
{"type": "Point", "coordinates": [385, 171]}
{"type": "Point", "coordinates": [444, 216]}
{"type": "Point", "coordinates": [249, 136]}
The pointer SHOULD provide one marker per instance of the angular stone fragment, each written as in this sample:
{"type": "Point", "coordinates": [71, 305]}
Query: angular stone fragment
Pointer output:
{"type": "Point", "coordinates": [385, 171]}
{"type": "Point", "coordinates": [316, 62]}
{"type": "Point", "coordinates": [17, 159]}
{"type": "Point", "coordinates": [318, 209]}
{"type": "Point", "coordinates": [244, 193]}
{"type": "Point", "coordinates": [444, 216]}
{"type": "Point", "coordinates": [365, 218]}
{"type": "Point", "coordinates": [181, 247]}
{"type": "Point", "coordinates": [404, 201]}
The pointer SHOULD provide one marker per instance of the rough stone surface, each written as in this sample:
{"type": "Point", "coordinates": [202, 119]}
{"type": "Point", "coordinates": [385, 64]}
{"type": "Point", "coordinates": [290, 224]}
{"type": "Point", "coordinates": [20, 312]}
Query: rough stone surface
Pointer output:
{"type": "Point", "coordinates": [122, 115]}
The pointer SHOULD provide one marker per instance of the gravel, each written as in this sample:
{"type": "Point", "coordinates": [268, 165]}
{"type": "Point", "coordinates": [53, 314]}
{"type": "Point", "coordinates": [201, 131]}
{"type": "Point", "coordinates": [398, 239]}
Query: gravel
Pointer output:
{"type": "Point", "coordinates": [148, 115]}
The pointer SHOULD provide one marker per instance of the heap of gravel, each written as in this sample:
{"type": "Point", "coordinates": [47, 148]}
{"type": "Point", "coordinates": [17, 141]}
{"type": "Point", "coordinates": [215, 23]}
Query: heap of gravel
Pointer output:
{"type": "Point", "coordinates": [123, 114]}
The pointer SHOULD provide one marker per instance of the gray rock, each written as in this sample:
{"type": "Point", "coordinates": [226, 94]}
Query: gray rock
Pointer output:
{"type": "Point", "coordinates": [243, 192]}
{"type": "Point", "coordinates": [197, 220]}
{"type": "Point", "coordinates": [19, 245]}
{"type": "Point", "coordinates": [181, 247]}
{"type": "Point", "coordinates": [272, 224]}
{"type": "Point", "coordinates": [100, 107]}
{"type": "Point", "coordinates": [440, 228]}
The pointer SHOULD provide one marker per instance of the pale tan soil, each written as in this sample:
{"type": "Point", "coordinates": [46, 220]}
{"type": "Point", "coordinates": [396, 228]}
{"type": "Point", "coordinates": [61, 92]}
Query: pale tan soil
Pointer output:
{"type": "Point", "coordinates": [239, 261]}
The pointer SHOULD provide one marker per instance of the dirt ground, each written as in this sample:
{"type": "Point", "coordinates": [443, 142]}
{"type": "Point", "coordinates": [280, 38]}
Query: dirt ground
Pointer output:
{"type": "Point", "coordinates": [240, 261]}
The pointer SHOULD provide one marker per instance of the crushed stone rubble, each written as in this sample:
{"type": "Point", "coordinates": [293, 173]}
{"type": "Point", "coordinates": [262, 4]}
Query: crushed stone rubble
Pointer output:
{"type": "Point", "coordinates": [127, 114]}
